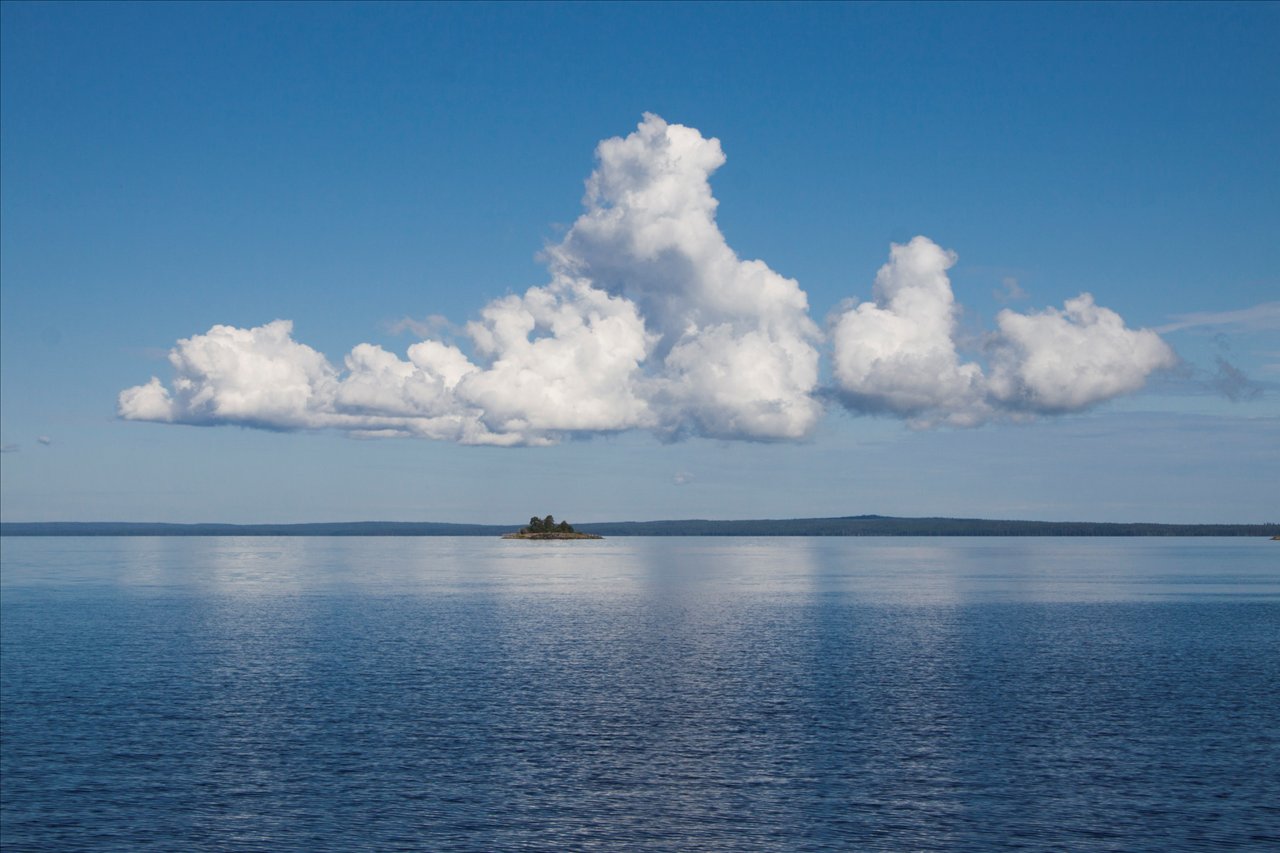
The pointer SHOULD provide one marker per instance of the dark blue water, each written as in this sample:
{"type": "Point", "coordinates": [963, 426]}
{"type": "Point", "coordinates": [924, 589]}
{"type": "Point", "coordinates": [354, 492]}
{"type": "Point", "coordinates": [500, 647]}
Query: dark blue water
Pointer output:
{"type": "Point", "coordinates": [639, 694]}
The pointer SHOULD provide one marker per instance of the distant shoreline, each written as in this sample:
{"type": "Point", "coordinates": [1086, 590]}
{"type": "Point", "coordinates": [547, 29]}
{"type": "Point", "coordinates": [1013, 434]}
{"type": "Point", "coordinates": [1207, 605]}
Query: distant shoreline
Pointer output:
{"type": "Point", "coordinates": [862, 525]}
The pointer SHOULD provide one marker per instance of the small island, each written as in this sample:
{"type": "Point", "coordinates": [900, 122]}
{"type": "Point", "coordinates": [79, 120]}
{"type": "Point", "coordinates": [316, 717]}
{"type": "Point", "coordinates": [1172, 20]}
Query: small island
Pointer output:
{"type": "Point", "coordinates": [547, 528]}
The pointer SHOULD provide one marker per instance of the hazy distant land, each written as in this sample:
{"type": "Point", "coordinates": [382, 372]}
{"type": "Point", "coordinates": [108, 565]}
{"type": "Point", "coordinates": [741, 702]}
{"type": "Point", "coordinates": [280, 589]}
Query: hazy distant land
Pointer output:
{"type": "Point", "coordinates": [858, 525]}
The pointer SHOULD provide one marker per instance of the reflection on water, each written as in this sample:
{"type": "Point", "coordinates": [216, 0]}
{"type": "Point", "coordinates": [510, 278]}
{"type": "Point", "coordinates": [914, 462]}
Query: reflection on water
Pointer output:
{"type": "Point", "coordinates": [871, 570]}
{"type": "Point", "coordinates": [640, 694]}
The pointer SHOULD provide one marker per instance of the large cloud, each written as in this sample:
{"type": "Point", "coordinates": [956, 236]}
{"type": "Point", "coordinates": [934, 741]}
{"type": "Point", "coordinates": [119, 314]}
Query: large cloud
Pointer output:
{"type": "Point", "coordinates": [651, 321]}
{"type": "Point", "coordinates": [734, 341]}
{"type": "Point", "coordinates": [899, 354]}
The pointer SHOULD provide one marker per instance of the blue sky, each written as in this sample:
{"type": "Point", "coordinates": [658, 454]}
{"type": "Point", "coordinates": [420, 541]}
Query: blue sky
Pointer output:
{"type": "Point", "coordinates": [359, 169]}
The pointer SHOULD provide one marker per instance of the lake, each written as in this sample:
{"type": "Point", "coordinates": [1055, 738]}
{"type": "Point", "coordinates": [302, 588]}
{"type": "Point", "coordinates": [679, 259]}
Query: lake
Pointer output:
{"type": "Point", "coordinates": [465, 694]}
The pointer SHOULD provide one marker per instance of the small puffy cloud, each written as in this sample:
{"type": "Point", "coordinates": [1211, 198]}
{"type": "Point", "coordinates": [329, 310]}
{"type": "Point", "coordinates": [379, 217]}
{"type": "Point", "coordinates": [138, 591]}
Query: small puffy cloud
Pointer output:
{"type": "Point", "coordinates": [150, 402]}
{"type": "Point", "coordinates": [1066, 361]}
{"type": "Point", "coordinates": [44, 439]}
{"type": "Point", "coordinates": [899, 355]}
{"type": "Point", "coordinates": [1009, 290]}
{"type": "Point", "coordinates": [682, 478]}
{"type": "Point", "coordinates": [651, 321]}
{"type": "Point", "coordinates": [255, 377]}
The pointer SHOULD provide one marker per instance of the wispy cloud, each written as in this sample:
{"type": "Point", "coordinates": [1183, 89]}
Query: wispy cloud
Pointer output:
{"type": "Point", "coordinates": [10, 448]}
{"type": "Point", "coordinates": [1264, 317]}
{"type": "Point", "coordinates": [651, 321]}
{"type": "Point", "coordinates": [430, 326]}
{"type": "Point", "coordinates": [1009, 290]}
{"type": "Point", "coordinates": [1232, 383]}
{"type": "Point", "coordinates": [682, 478]}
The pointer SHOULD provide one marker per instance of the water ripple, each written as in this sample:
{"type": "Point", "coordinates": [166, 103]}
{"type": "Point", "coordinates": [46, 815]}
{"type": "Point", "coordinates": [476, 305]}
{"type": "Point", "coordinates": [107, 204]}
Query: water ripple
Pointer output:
{"type": "Point", "coordinates": [444, 696]}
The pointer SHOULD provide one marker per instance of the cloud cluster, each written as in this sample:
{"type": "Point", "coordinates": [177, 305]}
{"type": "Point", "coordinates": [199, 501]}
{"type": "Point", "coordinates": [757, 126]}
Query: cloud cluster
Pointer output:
{"type": "Point", "coordinates": [899, 354]}
{"type": "Point", "coordinates": [651, 321]}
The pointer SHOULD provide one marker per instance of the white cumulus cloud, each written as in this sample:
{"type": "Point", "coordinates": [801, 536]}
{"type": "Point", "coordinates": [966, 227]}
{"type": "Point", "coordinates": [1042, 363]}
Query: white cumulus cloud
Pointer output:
{"type": "Point", "coordinates": [651, 321]}
{"type": "Point", "coordinates": [1068, 360]}
{"type": "Point", "coordinates": [899, 355]}
{"type": "Point", "coordinates": [734, 353]}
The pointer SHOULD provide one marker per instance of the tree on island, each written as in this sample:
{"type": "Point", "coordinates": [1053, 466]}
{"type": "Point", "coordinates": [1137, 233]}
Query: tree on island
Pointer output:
{"type": "Point", "coordinates": [547, 525]}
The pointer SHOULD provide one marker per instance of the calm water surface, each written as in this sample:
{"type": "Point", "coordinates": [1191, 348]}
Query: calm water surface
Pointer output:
{"type": "Point", "coordinates": [441, 694]}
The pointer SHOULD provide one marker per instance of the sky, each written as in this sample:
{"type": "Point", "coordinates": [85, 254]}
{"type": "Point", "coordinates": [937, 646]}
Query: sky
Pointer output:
{"type": "Point", "coordinates": [471, 263]}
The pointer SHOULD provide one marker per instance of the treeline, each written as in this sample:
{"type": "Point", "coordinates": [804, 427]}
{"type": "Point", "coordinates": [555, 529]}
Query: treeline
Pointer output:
{"type": "Point", "coordinates": [339, 528]}
{"type": "Point", "coordinates": [547, 525]}
{"type": "Point", "coordinates": [876, 525]}
{"type": "Point", "coordinates": [861, 525]}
